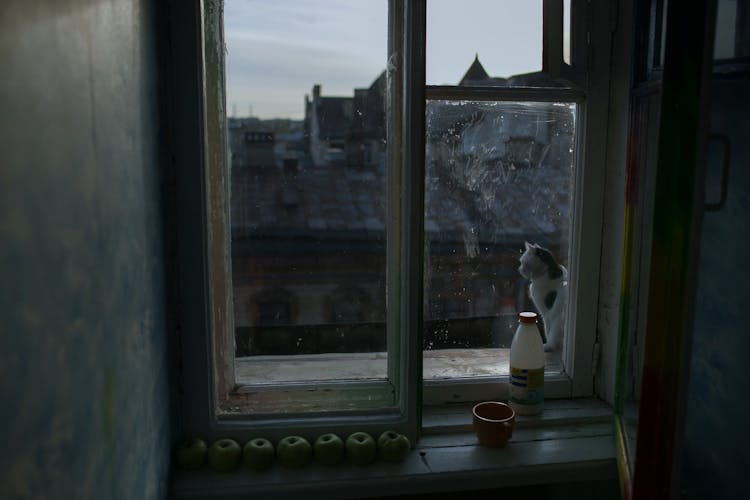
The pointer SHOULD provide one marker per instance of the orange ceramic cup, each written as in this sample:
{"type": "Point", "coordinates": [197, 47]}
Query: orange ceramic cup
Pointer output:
{"type": "Point", "coordinates": [493, 423]}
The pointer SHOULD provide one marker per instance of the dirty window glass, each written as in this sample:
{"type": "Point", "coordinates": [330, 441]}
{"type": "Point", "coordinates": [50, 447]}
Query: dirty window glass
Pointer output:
{"type": "Point", "coordinates": [497, 174]}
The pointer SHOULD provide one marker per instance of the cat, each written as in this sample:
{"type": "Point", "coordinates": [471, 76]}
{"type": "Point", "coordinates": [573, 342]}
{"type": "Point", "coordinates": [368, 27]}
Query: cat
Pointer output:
{"type": "Point", "coordinates": [548, 291]}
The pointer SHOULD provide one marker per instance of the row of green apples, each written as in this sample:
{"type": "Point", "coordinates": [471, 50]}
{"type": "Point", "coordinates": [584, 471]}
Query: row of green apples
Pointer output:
{"type": "Point", "coordinates": [226, 454]}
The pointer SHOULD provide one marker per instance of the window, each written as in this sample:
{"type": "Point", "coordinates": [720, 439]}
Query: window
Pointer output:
{"type": "Point", "coordinates": [367, 238]}
{"type": "Point", "coordinates": [504, 164]}
{"type": "Point", "coordinates": [498, 173]}
{"type": "Point", "coordinates": [732, 39]}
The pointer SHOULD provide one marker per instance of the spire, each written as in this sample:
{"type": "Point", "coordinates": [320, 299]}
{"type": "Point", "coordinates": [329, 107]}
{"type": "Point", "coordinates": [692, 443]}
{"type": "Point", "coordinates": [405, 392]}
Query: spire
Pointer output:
{"type": "Point", "coordinates": [475, 73]}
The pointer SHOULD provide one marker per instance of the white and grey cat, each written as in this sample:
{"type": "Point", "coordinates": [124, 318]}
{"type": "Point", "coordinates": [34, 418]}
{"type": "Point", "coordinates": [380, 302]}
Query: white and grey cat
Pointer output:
{"type": "Point", "coordinates": [548, 291]}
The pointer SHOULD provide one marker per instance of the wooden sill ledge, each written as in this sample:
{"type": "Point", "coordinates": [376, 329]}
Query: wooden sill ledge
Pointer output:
{"type": "Point", "coordinates": [571, 441]}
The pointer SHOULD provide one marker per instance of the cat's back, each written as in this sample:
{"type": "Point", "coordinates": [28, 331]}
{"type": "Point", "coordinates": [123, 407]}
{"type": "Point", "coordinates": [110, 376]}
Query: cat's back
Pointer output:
{"type": "Point", "coordinates": [547, 294]}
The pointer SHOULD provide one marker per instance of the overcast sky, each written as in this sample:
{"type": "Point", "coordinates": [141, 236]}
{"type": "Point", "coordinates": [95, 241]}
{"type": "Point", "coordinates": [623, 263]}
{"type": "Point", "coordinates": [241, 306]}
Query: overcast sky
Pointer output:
{"type": "Point", "coordinates": [278, 49]}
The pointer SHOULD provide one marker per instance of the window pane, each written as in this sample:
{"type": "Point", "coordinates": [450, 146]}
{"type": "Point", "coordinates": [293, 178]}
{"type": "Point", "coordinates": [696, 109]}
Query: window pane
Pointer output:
{"type": "Point", "coordinates": [566, 32]}
{"type": "Point", "coordinates": [732, 38]}
{"type": "Point", "coordinates": [306, 98]}
{"type": "Point", "coordinates": [484, 42]}
{"type": "Point", "coordinates": [498, 174]}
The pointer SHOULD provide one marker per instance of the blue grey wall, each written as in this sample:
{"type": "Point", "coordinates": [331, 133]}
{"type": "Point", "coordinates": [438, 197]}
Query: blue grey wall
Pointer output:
{"type": "Point", "coordinates": [84, 393]}
{"type": "Point", "coordinates": [717, 433]}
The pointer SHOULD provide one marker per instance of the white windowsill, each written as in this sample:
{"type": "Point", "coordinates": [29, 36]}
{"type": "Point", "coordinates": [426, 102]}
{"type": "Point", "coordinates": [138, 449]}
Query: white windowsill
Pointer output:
{"type": "Point", "coordinates": [571, 441]}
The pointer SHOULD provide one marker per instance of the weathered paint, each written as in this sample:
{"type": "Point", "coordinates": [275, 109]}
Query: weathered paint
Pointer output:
{"type": "Point", "coordinates": [83, 358]}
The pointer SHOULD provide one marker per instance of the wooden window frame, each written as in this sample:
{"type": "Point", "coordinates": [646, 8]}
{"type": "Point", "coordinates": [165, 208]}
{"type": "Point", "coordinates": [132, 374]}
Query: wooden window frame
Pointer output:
{"type": "Point", "coordinates": [200, 183]}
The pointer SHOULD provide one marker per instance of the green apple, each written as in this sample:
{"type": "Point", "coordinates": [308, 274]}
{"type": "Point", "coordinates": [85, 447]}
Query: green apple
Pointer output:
{"type": "Point", "coordinates": [393, 446]}
{"type": "Point", "coordinates": [294, 452]}
{"type": "Point", "coordinates": [258, 454]}
{"type": "Point", "coordinates": [361, 448]}
{"type": "Point", "coordinates": [224, 455]}
{"type": "Point", "coordinates": [328, 449]}
{"type": "Point", "coordinates": [191, 453]}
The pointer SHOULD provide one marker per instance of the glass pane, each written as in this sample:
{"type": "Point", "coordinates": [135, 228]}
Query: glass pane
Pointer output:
{"type": "Point", "coordinates": [306, 91]}
{"type": "Point", "coordinates": [484, 42]}
{"type": "Point", "coordinates": [725, 29]}
{"type": "Point", "coordinates": [498, 174]}
{"type": "Point", "coordinates": [732, 38]}
{"type": "Point", "coordinates": [566, 31]}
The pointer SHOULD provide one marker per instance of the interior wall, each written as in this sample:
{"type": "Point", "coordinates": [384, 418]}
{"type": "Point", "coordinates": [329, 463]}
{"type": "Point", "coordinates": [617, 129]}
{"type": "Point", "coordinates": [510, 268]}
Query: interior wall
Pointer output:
{"type": "Point", "coordinates": [83, 359]}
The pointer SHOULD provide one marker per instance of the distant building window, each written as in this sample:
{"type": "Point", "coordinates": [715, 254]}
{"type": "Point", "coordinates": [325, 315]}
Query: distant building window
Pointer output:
{"type": "Point", "coordinates": [274, 313]}
{"type": "Point", "coordinates": [271, 308]}
{"type": "Point", "coordinates": [447, 308]}
{"type": "Point", "coordinates": [255, 137]}
{"type": "Point", "coordinates": [348, 306]}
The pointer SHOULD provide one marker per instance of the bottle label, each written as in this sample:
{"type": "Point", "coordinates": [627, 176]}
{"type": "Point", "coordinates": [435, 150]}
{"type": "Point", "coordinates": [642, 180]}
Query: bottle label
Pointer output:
{"type": "Point", "coordinates": [526, 386]}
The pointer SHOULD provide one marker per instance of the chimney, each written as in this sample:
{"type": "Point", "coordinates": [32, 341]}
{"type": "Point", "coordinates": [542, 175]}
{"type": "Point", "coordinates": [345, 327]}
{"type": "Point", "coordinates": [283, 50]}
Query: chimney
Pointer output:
{"type": "Point", "coordinates": [316, 92]}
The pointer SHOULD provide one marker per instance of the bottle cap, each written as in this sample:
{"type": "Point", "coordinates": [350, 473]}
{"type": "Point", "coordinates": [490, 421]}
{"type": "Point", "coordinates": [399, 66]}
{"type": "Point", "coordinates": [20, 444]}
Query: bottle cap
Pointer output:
{"type": "Point", "coordinates": [527, 317]}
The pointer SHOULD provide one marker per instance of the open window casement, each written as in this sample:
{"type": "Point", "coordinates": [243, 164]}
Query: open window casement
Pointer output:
{"type": "Point", "coordinates": [513, 159]}
{"type": "Point", "coordinates": [217, 400]}
{"type": "Point", "coordinates": [664, 206]}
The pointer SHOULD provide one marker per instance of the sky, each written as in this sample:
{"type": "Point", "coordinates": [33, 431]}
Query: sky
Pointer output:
{"type": "Point", "coordinates": [278, 49]}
